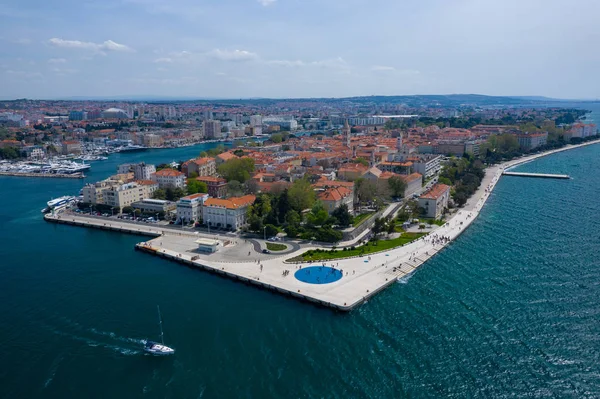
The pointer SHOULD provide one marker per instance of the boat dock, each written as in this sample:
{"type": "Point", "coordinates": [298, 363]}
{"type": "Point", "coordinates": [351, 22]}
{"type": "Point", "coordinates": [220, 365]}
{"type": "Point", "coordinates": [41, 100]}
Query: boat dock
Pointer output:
{"type": "Point", "coordinates": [78, 175]}
{"type": "Point", "coordinates": [538, 175]}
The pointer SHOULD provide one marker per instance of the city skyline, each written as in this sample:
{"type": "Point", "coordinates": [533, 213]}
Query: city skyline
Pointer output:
{"type": "Point", "coordinates": [297, 49]}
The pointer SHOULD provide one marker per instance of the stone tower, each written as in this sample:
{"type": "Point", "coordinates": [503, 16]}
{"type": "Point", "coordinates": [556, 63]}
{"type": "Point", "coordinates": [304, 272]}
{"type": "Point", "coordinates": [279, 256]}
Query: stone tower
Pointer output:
{"type": "Point", "coordinates": [346, 134]}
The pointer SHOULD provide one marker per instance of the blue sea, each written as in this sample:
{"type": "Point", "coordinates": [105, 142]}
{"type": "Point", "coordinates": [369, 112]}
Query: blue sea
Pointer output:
{"type": "Point", "coordinates": [511, 309]}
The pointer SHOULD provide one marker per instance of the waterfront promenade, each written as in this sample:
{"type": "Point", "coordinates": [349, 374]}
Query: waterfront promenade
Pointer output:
{"type": "Point", "coordinates": [362, 277]}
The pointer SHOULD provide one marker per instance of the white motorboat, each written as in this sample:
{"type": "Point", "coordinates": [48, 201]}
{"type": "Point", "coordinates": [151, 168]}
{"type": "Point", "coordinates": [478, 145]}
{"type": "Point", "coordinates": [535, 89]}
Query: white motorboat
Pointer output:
{"type": "Point", "coordinates": [155, 348]}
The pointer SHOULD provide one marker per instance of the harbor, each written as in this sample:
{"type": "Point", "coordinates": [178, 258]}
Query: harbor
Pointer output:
{"type": "Point", "coordinates": [361, 277]}
{"type": "Point", "coordinates": [77, 175]}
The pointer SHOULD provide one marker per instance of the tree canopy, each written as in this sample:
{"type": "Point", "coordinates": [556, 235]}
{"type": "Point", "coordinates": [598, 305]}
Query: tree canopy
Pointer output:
{"type": "Point", "coordinates": [194, 186]}
{"type": "Point", "coordinates": [397, 186]}
{"type": "Point", "coordinates": [301, 195]}
{"type": "Point", "coordinates": [238, 169]}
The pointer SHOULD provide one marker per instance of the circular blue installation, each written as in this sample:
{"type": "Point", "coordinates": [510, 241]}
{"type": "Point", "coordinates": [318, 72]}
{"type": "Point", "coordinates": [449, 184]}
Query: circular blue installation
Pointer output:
{"type": "Point", "coordinates": [318, 275]}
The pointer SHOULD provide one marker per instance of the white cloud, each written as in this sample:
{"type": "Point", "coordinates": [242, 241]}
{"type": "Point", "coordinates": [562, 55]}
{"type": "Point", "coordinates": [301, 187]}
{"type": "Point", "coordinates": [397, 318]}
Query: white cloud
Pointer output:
{"type": "Point", "coordinates": [334, 63]}
{"type": "Point", "coordinates": [113, 46]}
{"type": "Point", "coordinates": [24, 74]}
{"type": "Point", "coordinates": [23, 41]}
{"type": "Point", "coordinates": [108, 45]}
{"type": "Point", "coordinates": [382, 68]}
{"type": "Point", "coordinates": [338, 62]}
{"type": "Point", "coordinates": [163, 60]}
{"type": "Point", "coordinates": [286, 63]}
{"type": "Point", "coordinates": [266, 3]}
{"type": "Point", "coordinates": [57, 61]}
{"type": "Point", "coordinates": [64, 71]}
{"type": "Point", "coordinates": [233, 55]}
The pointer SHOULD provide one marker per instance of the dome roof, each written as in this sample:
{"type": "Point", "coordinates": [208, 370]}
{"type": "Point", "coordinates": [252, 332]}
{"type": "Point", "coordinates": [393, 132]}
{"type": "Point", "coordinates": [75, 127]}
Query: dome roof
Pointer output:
{"type": "Point", "coordinates": [115, 110]}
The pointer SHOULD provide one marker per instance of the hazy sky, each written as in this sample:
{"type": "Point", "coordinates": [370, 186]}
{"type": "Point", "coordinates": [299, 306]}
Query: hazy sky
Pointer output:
{"type": "Point", "coordinates": [299, 48]}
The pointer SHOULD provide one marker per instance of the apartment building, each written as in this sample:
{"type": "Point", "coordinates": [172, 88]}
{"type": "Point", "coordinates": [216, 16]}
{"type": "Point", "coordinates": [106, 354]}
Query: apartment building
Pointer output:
{"type": "Point", "coordinates": [227, 213]}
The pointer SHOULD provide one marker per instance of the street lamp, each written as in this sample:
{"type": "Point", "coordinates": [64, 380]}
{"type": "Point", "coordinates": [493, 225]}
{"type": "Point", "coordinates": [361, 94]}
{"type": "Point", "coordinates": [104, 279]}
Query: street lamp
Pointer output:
{"type": "Point", "coordinates": [265, 231]}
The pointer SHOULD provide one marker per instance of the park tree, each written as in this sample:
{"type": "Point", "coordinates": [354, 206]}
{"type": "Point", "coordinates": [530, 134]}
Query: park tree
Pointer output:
{"type": "Point", "coordinates": [301, 195]}
{"type": "Point", "coordinates": [276, 138]}
{"type": "Point", "coordinates": [235, 188]}
{"type": "Point", "coordinates": [361, 161]}
{"type": "Point", "coordinates": [238, 169]}
{"type": "Point", "coordinates": [194, 186]}
{"type": "Point", "coordinates": [270, 230]}
{"type": "Point", "coordinates": [251, 186]}
{"type": "Point", "coordinates": [364, 190]}
{"type": "Point", "coordinates": [397, 186]}
{"type": "Point", "coordinates": [317, 215]}
{"type": "Point", "coordinates": [159, 194]}
{"type": "Point", "coordinates": [379, 226]}
{"type": "Point", "coordinates": [342, 215]}
{"type": "Point", "coordinates": [293, 218]}
{"type": "Point", "coordinates": [391, 226]}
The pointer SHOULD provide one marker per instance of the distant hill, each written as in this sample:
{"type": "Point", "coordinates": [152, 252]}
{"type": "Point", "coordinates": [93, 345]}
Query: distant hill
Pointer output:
{"type": "Point", "coordinates": [441, 100]}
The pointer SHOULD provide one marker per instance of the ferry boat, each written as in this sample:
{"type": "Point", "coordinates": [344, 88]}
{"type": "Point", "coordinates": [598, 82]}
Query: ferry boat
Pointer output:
{"type": "Point", "coordinates": [156, 349]}
{"type": "Point", "coordinates": [58, 203]}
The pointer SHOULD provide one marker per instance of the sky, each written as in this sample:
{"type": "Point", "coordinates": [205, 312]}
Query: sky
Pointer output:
{"type": "Point", "coordinates": [298, 48]}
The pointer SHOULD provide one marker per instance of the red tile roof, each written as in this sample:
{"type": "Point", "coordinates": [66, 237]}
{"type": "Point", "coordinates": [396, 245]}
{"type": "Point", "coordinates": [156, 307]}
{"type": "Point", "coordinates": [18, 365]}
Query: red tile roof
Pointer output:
{"type": "Point", "coordinates": [436, 192]}
{"type": "Point", "coordinates": [168, 172]}
{"type": "Point", "coordinates": [230, 203]}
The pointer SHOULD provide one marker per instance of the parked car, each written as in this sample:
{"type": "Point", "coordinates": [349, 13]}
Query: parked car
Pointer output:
{"type": "Point", "coordinates": [266, 251]}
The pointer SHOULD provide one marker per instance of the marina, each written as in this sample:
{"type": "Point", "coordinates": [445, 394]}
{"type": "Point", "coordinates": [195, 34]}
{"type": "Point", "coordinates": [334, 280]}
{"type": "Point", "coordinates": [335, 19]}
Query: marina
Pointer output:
{"type": "Point", "coordinates": [77, 175]}
{"type": "Point", "coordinates": [361, 277]}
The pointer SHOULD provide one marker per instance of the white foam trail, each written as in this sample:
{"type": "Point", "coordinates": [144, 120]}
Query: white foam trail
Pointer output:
{"type": "Point", "coordinates": [117, 337]}
{"type": "Point", "coordinates": [94, 344]}
{"type": "Point", "coordinates": [53, 368]}
{"type": "Point", "coordinates": [404, 279]}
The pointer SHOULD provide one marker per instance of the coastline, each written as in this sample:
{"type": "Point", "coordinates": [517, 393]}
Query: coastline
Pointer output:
{"type": "Point", "coordinates": [363, 277]}
{"type": "Point", "coordinates": [49, 175]}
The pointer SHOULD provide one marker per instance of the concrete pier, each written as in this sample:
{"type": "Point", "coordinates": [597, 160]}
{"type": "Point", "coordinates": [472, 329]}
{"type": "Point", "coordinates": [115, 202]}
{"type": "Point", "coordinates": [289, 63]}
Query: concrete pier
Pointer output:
{"type": "Point", "coordinates": [77, 175]}
{"type": "Point", "coordinates": [538, 175]}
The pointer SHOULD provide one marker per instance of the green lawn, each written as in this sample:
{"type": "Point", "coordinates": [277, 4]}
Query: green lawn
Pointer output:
{"type": "Point", "coordinates": [432, 221]}
{"type": "Point", "coordinates": [361, 218]}
{"type": "Point", "coordinates": [276, 247]}
{"type": "Point", "coordinates": [366, 249]}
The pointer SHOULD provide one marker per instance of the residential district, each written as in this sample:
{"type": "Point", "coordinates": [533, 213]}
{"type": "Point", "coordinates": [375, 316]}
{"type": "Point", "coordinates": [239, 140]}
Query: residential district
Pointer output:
{"type": "Point", "coordinates": [324, 181]}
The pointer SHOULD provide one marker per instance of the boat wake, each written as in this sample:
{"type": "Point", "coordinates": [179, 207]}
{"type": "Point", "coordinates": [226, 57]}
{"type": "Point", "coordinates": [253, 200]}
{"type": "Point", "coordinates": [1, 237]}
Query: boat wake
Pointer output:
{"type": "Point", "coordinates": [53, 369]}
{"type": "Point", "coordinates": [118, 338]}
{"type": "Point", "coordinates": [127, 346]}
{"type": "Point", "coordinates": [94, 343]}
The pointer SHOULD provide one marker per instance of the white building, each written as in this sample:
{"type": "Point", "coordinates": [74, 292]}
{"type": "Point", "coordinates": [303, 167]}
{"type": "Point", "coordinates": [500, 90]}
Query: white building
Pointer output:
{"type": "Point", "coordinates": [255, 120]}
{"type": "Point", "coordinates": [169, 178]}
{"type": "Point", "coordinates": [426, 165]}
{"type": "Point", "coordinates": [141, 171]}
{"type": "Point", "coordinates": [212, 129]}
{"type": "Point", "coordinates": [116, 194]}
{"type": "Point", "coordinates": [149, 205]}
{"type": "Point", "coordinates": [435, 201]}
{"type": "Point", "coordinates": [189, 208]}
{"type": "Point", "coordinates": [115, 113]}
{"type": "Point", "coordinates": [227, 213]}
